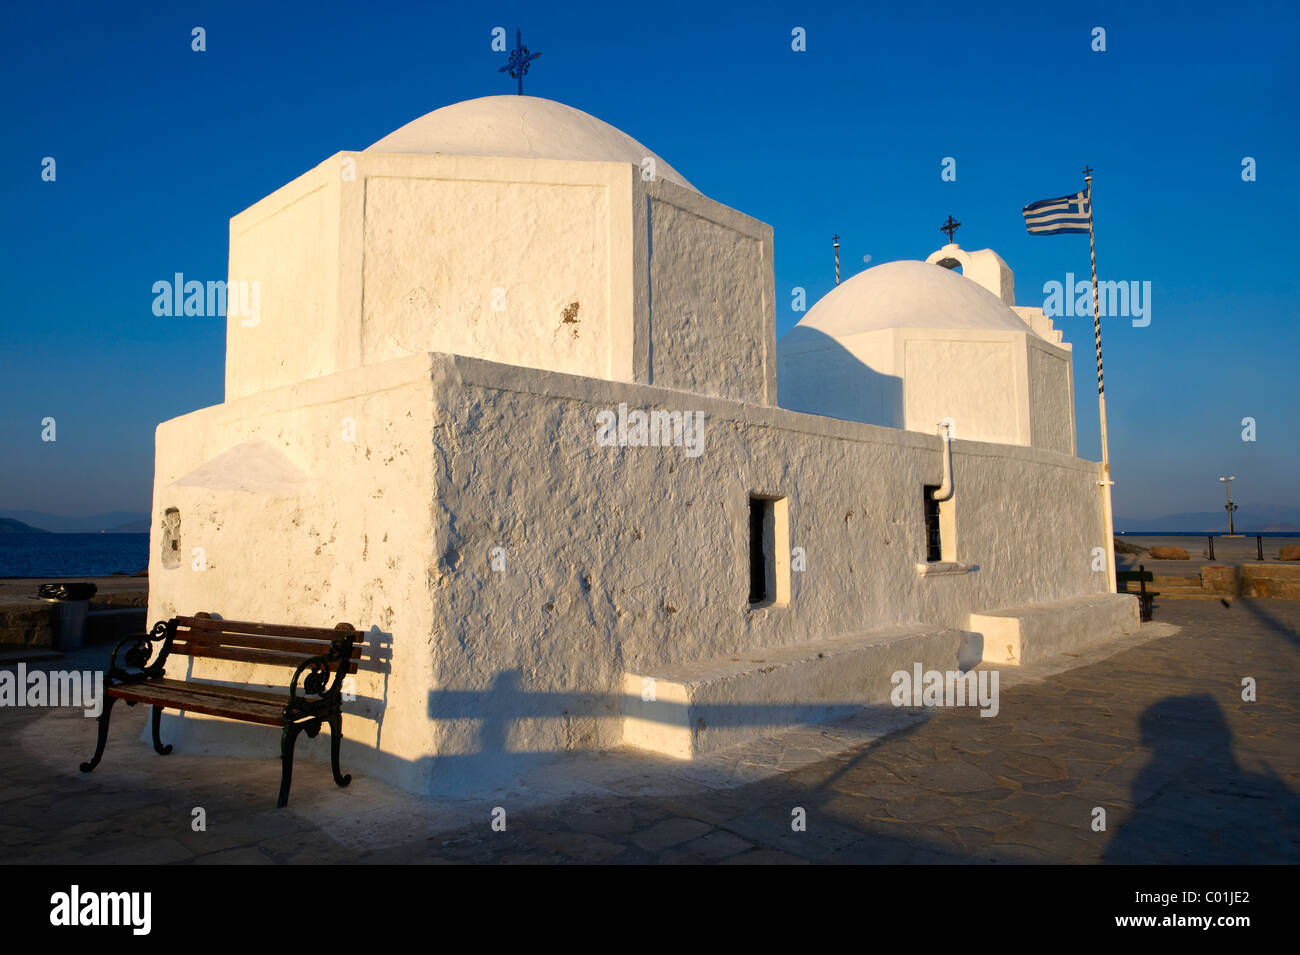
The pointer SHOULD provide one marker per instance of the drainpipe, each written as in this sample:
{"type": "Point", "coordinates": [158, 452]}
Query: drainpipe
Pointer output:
{"type": "Point", "coordinates": [944, 493]}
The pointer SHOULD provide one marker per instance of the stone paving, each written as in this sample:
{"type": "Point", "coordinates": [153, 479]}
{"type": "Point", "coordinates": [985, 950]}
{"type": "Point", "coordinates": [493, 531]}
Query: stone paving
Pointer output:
{"type": "Point", "coordinates": [1152, 730]}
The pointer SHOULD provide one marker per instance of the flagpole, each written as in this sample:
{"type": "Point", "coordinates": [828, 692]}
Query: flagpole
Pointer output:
{"type": "Point", "coordinates": [1107, 515]}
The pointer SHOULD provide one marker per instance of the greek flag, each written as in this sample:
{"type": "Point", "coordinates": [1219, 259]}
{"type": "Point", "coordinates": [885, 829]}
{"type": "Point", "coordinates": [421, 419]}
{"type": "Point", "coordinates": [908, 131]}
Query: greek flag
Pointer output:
{"type": "Point", "coordinates": [1064, 216]}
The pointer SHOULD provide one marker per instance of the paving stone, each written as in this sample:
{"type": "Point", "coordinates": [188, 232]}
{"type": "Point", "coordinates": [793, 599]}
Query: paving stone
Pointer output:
{"type": "Point", "coordinates": [954, 776]}
{"type": "Point", "coordinates": [577, 846]}
{"type": "Point", "coordinates": [1028, 766]}
{"type": "Point", "coordinates": [714, 847]}
{"type": "Point", "coordinates": [155, 852]}
{"type": "Point", "coordinates": [615, 822]}
{"type": "Point", "coordinates": [247, 855]}
{"type": "Point", "coordinates": [670, 832]}
{"type": "Point", "coordinates": [990, 820]}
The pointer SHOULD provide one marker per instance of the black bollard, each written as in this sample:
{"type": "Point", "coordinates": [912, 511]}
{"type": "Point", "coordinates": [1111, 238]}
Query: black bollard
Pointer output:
{"type": "Point", "coordinates": [1211, 540]}
{"type": "Point", "coordinates": [1259, 545]}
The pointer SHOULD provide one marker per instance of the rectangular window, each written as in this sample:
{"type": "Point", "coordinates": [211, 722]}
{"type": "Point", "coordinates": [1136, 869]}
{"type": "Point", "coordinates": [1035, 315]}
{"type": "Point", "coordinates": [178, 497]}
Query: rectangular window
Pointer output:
{"type": "Point", "coordinates": [758, 511]}
{"type": "Point", "coordinates": [769, 551]}
{"type": "Point", "coordinates": [933, 540]}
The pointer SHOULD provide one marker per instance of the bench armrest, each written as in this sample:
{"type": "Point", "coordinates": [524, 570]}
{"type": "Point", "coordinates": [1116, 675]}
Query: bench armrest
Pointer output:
{"type": "Point", "coordinates": [140, 652]}
{"type": "Point", "coordinates": [317, 670]}
{"type": "Point", "coordinates": [315, 683]}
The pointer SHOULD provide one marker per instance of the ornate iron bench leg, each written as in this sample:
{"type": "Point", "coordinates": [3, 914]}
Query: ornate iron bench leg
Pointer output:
{"type": "Point", "coordinates": [336, 737]}
{"type": "Point", "coordinates": [103, 735]}
{"type": "Point", "coordinates": [158, 746]}
{"type": "Point", "coordinates": [287, 739]}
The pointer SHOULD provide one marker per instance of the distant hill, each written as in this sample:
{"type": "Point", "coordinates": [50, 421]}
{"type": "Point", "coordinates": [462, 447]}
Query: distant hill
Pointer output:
{"type": "Point", "coordinates": [131, 527]}
{"type": "Point", "coordinates": [9, 526]}
{"type": "Point", "coordinates": [114, 522]}
{"type": "Point", "coordinates": [1249, 519]}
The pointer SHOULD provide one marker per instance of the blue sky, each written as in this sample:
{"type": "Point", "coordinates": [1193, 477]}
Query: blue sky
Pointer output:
{"type": "Point", "coordinates": [158, 146]}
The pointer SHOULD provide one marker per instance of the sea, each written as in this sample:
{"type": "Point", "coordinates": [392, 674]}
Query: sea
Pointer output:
{"type": "Point", "coordinates": [72, 555]}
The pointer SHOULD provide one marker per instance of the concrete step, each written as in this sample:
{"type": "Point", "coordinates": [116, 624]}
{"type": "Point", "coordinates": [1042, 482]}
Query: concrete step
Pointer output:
{"type": "Point", "coordinates": [687, 709]}
{"type": "Point", "coordinates": [1180, 587]}
{"type": "Point", "coordinates": [1020, 635]}
{"type": "Point", "coordinates": [684, 710]}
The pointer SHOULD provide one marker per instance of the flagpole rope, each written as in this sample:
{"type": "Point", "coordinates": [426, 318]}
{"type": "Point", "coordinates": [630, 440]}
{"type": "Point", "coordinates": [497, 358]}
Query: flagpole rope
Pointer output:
{"type": "Point", "coordinates": [1108, 518]}
{"type": "Point", "coordinates": [1096, 302]}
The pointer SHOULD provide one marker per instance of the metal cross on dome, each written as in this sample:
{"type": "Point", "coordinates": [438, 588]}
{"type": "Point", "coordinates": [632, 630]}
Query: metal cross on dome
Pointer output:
{"type": "Point", "coordinates": [950, 227]}
{"type": "Point", "coordinates": [519, 60]}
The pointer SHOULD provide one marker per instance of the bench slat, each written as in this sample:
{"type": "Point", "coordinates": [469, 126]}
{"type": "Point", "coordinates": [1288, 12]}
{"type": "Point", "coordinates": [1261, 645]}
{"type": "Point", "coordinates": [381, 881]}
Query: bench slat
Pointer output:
{"type": "Point", "coordinates": [250, 711]}
{"type": "Point", "coordinates": [243, 655]}
{"type": "Point", "coordinates": [265, 629]}
{"type": "Point", "coordinates": [231, 692]}
{"type": "Point", "coordinates": [308, 648]}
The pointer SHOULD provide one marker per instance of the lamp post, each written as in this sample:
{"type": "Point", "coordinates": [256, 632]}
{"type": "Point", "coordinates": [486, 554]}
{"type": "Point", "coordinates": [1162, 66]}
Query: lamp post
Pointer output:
{"type": "Point", "coordinates": [1229, 507]}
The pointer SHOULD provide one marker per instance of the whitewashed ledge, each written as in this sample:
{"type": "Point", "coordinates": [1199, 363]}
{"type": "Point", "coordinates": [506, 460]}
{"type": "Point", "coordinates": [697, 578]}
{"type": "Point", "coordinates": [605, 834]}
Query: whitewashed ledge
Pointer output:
{"type": "Point", "coordinates": [945, 567]}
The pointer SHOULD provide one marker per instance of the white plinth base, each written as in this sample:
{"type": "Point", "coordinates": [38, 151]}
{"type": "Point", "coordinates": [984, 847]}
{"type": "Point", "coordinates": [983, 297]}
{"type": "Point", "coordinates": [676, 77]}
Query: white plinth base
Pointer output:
{"type": "Point", "coordinates": [714, 704]}
{"type": "Point", "coordinates": [1019, 635]}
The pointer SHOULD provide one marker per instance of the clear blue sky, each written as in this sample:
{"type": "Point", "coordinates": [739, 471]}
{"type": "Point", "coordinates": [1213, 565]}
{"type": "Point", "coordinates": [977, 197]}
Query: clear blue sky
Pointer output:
{"type": "Point", "coordinates": [158, 146]}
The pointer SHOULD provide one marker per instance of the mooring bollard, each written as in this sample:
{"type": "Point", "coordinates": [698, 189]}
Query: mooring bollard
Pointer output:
{"type": "Point", "coordinates": [1211, 540]}
{"type": "Point", "coordinates": [1259, 545]}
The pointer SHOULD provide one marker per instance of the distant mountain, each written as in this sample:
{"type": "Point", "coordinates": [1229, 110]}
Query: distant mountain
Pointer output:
{"type": "Point", "coordinates": [131, 527]}
{"type": "Point", "coordinates": [1249, 519]}
{"type": "Point", "coordinates": [10, 526]}
{"type": "Point", "coordinates": [114, 522]}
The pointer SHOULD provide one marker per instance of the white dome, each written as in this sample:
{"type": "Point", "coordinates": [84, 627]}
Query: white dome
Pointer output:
{"type": "Point", "coordinates": [909, 294]}
{"type": "Point", "coordinates": [521, 126]}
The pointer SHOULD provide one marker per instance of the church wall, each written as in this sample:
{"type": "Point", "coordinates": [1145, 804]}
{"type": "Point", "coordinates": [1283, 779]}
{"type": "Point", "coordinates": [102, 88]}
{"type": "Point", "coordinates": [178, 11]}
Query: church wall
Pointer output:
{"type": "Point", "coordinates": [621, 558]}
{"type": "Point", "coordinates": [326, 519]}
{"type": "Point", "coordinates": [977, 379]}
{"type": "Point", "coordinates": [284, 258]}
{"type": "Point", "coordinates": [524, 261]}
{"type": "Point", "coordinates": [850, 378]}
{"type": "Point", "coordinates": [710, 314]}
{"type": "Point", "coordinates": [508, 271]}
{"type": "Point", "coordinates": [576, 267]}
{"type": "Point", "coordinates": [1051, 396]}
{"type": "Point", "coordinates": [611, 558]}
{"type": "Point", "coordinates": [371, 256]}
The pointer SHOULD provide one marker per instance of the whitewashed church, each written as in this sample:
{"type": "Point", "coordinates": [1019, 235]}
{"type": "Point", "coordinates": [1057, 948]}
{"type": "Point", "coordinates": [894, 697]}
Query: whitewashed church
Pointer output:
{"type": "Point", "coordinates": [513, 404]}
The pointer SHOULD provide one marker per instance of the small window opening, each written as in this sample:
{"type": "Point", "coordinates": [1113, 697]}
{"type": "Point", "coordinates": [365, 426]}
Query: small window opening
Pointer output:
{"type": "Point", "coordinates": [170, 543]}
{"type": "Point", "coordinates": [769, 551]}
{"type": "Point", "coordinates": [933, 539]}
{"type": "Point", "coordinates": [759, 511]}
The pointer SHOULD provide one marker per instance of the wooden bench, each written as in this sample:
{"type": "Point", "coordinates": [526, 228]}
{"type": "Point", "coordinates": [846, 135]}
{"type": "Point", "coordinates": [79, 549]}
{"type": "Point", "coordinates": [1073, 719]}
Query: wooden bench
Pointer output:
{"type": "Point", "coordinates": [320, 658]}
{"type": "Point", "coordinates": [1143, 577]}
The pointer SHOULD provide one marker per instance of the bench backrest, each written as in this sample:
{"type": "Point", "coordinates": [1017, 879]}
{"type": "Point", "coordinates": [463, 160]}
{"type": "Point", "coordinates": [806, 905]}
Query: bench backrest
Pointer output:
{"type": "Point", "coordinates": [246, 642]}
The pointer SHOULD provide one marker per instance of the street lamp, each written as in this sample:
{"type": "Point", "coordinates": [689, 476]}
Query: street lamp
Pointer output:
{"type": "Point", "coordinates": [1229, 507]}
